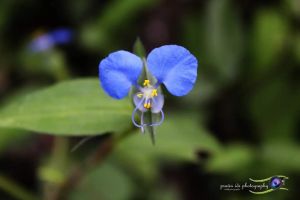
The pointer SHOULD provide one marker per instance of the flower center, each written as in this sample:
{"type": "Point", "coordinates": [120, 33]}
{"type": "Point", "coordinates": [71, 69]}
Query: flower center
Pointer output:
{"type": "Point", "coordinates": [148, 92]}
{"type": "Point", "coordinates": [148, 98]}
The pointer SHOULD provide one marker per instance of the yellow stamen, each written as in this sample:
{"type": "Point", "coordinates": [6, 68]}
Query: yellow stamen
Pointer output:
{"type": "Point", "coordinates": [146, 83]}
{"type": "Point", "coordinates": [147, 105]}
{"type": "Point", "coordinates": [139, 95]}
{"type": "Point", "coordinates": [154, 93]}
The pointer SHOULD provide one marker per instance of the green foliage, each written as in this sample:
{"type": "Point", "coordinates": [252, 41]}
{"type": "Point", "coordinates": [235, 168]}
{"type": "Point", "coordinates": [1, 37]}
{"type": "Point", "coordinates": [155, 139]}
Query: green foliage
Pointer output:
{"type": "Point", "coordinates": [98, 34]}
{"type": "Point", "coordinates": [282, 121]}
{"type": "Point", "coordinates": [232, 159]}
{"type": "Point", "coordinates": [11, 137]}
{"type": "Point", "coordinates": [223, 39]}
{"type": "Point", "coordinates": [105, 182]}
{"type": "Point", "coordinates": [163, 193]}
{"type": "Point", "coordinates": [270, 32]}
{"type": "Point", "coordinates": [248, 54]}
{"type": "Point", "coordinates": [51, 63]}
{"type": "Point", "coordinates": [216, 37]}
{"type": "Point", "coordinates": [175, 143]}
{"type": "Point", "coordinates": [77, 107]}
{"type": "Point", "coordinates": [280, 157]}
{"type": "Point", "coordinates": [297, 48]}
{"type": "Point", "coordinates": [293, 6]}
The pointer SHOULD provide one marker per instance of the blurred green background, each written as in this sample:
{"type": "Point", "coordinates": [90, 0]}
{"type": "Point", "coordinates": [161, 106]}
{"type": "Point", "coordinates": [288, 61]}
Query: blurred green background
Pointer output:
{"type": "Point", "coordinates": [240, 121]}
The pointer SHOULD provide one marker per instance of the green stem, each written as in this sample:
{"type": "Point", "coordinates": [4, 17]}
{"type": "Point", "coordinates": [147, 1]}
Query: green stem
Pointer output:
{"type": "Point", "coordinates": [95, 159]}
{"type": "Point", "coordinates": [14, 189]}
{"type": "Point", "coordinates": [56, 168]}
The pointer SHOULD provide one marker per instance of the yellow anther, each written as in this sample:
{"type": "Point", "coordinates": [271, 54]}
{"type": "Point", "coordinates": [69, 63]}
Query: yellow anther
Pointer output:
{"type": "Point", "coordinates": [154, 93]}
{"type": "Point", "coordinates": [148, 105]}
{"type": "Point", "coordinates": [146, 82]}
{"type": "Point", "coordinates": [139, 95]}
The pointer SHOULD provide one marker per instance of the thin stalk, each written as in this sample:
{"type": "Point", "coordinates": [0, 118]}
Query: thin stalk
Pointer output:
{"type": "Point", "coordinates": [95, 159]}
{"type": "Point", "coordinates": [57, 165]}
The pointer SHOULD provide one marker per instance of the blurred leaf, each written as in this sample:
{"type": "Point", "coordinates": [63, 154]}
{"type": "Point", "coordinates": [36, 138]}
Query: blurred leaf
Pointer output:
{"type": "Point", "coordinates": [106, 182]}
{"type": "Point", "coordinates": [204, 90]}
{"type": "Point", "coordinates": [178, 138]}
{"type": "Point", "coordinates": [164, 193]}
{"type": "Point", "coordinates": [78, 10]}
{"type": "Point", "coordinates": [293, 6]}
{"type": "Point", "coordinates": [50, 62]}
{"type": "Point", "coordinates": [269, 34]}
{"type": "Point", "coordinates": [77, 107]}
{"type": "Point", "coordinates": [215, 37]}
{"type": "Point", "coordinates": [11, 137]}
{"type": "Point", "coordinates": [223, 39]}
{"type": "Point", "coordinates": [274, 108]}
{"type": "Point", "coordinates": [98, 34]}
{"type": "Point", "coordinates": [281, 157]}
{"type": "Point", "coordinates": [297, 48]}
{"type": "Point", "coordinates": [231, 159]}
{"type": "Point", "coordinates": [54, 170]}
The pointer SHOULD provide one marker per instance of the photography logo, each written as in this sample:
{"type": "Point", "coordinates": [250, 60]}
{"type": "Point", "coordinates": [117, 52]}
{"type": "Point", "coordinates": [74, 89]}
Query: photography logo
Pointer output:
{"type": "Point", "coordinates": [274, 183]}
{"type": "Point", "coordinates": [258, 186]}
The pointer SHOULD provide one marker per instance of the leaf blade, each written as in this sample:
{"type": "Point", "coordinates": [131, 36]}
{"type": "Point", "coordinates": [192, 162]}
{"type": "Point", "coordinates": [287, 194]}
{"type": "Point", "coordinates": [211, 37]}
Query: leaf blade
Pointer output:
{"type": "Point", "coordinates": [77, 107]}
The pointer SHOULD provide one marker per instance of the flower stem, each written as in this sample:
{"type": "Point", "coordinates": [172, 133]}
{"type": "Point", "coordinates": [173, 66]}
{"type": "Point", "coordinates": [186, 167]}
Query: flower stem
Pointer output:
{"type": "Point", "coordinates": [53, 174]}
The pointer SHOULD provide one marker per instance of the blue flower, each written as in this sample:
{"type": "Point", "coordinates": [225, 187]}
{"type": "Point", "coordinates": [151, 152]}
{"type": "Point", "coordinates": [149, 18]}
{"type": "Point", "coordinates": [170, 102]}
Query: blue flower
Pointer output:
{"type": "Point", "coordinates": [171, 65]}
{"type": "Point", "coordinates": [47, 41]}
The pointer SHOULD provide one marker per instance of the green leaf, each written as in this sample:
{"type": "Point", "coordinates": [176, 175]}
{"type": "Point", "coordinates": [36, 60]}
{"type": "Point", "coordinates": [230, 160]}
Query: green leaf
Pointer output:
{"type": "Point", "coordinates": [178, 139]}
{"type": "Point", "coordinates": [11, 137]}
{"type": "Point", "coordinates": [281, 156]}
{"type": "Point", "coordinates": [77, 107]}
{"type": "Point", "coordinates": [232, 159]}
{"type": "Point", "coordinates": [106, 182]}
{"type": "Point", "coordinates": [297, 48]}
{"type": "Point", "coordinates": [223, 40]}
{"type": "Point", "coordinates": [216, 38]}
{"type": "Point", "coordinates": [293, 7]}
{"type": "Point", "coordinates": [162, 192]}
{"type": "Point", "coordinates": [268, 39]}
{"type": "Point", "coordinates": [274, 108]}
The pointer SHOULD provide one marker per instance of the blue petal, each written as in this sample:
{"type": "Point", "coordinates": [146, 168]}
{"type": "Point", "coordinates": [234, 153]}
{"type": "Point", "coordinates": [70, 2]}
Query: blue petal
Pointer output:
{"type": "Point", "coordinates": [174, 66]}
{"type": "Point", "coordinates": [118, 72]}
{"type": "Point", "coordinates": [62, 35]}
{"type": "Point", "coordinates": [41, 43]}
{"type": "Point", "coordinates": [158, 103]}
{"type": "Point", "coordinates": [139, 102]}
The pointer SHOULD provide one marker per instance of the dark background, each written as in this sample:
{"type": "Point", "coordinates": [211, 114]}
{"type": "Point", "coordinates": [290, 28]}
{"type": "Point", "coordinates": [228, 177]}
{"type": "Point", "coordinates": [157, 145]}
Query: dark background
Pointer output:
{"type": "Point", "coordinates": [247, 92]}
